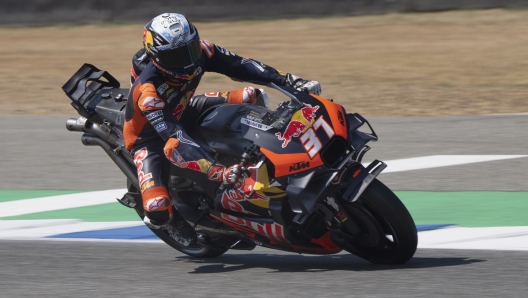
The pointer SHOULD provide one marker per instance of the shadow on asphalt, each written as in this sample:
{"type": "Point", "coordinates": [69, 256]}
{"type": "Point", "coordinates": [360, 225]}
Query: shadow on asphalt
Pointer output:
{"type": "Point", "coordinates": [304, 263]}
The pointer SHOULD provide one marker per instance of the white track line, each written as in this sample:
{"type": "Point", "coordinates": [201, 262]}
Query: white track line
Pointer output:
{"type": "Point", "coordinates": [436, 161]}
{"type": "Point", "coordinates": [490, 238]}
{"type": "Point", "coordinates": [37, 229]}
{"type": "Point", "coordinates": [20, 207]}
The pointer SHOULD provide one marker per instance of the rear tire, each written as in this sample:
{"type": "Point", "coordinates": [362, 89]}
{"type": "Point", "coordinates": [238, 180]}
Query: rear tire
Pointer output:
{"type": "Point", "coordinates": [196, 250]}
{"type": "Point", "coordinates": [389, 234]}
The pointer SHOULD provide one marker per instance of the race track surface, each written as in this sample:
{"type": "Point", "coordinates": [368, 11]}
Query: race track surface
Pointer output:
{"type": "Point", "coordinates": [41, 154]}
{"type": "Point", "coordinates": [84, 269]}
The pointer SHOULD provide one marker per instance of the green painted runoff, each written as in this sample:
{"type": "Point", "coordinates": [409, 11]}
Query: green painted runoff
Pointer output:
{"type": "Point", "coordinates": [13, 195]}
{"type": "Point", "coordinates": [108, 212]}
{"type": "Point", "coordinates": [467, 209]}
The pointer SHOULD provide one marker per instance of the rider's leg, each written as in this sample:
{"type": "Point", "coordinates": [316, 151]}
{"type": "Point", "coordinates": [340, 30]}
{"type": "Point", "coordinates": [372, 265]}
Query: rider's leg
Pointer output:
{"type": "Point", "coordinates": [200, 103]}
{"type": "Point", "coordinates": [152, 169]}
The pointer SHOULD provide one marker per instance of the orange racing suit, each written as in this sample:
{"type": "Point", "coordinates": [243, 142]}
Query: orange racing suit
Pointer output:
{"type": "Point", "coordinates": [160, 111]}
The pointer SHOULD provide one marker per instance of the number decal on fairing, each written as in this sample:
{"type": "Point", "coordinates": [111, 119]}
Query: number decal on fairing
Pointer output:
{"type": "Point", "coordinates": [309, 139]}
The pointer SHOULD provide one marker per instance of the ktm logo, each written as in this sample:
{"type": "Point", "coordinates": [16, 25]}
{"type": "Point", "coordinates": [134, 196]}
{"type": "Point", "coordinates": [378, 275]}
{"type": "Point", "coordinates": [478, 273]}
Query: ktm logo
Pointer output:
{"type": "Point", "coordinates": [340, 117]}
{"type": "Point", "coordinates": [299, 165]}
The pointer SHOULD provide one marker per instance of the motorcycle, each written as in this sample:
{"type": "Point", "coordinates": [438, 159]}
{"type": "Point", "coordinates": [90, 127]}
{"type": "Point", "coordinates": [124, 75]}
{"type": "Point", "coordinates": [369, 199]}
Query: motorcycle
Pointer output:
{"type": "Point", "coordinates": [305, 188]}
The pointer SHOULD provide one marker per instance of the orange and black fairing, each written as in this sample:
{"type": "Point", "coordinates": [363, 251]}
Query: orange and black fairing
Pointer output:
{"type": "Point", "coordinates": [314, 135]}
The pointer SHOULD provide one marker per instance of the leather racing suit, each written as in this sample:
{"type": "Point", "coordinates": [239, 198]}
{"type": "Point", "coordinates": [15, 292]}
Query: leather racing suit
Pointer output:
{"type": "Point", "coordinates": [160, 111]}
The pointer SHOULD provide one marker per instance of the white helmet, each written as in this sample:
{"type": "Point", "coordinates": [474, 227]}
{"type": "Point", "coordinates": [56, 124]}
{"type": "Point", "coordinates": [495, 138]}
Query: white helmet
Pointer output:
{"type": "Point", "coordinates": [173, 45]}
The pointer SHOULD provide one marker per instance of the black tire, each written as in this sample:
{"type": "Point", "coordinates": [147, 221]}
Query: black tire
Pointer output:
{"type": "Point", "coordinates": [382, 216]}
{"type": "Point", "coordinates": [196, 250]}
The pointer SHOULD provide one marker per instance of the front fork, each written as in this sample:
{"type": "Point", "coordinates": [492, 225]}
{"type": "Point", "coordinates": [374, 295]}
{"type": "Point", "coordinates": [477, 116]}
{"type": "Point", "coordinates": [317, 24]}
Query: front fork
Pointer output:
{"type": "Point", "coordinates": [337, 219]}
{"type": "Point", "coordinates": [336, 216]}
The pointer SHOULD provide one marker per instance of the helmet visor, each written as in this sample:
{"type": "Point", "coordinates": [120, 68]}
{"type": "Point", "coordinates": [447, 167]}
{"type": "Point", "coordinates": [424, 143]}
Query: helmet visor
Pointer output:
{"type": "Point", "coordinates": [182, 57]}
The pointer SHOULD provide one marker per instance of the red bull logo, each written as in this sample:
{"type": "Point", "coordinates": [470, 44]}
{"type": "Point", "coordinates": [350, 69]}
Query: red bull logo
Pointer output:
{"type": "Point", "coordinates": [299, 124]}
{"type": "Point", "coordinates": [178, 111]}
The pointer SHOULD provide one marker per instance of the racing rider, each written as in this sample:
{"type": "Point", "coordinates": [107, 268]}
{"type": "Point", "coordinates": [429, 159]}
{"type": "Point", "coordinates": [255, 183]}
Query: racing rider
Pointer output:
{"type": "Point", "coordinates": [161, 107]}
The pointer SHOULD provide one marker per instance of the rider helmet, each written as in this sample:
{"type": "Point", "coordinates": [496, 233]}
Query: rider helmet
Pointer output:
{"type": "Point", "coordinates": [173, 45]}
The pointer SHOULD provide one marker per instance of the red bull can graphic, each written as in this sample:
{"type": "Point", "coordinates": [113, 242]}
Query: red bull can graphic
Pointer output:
{"type": "Point", "coordinates": [300, 122]}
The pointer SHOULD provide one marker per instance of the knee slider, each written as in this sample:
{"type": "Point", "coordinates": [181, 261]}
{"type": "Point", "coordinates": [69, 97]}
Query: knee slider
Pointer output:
{"type": "Point", "coordinates": [157, 204]}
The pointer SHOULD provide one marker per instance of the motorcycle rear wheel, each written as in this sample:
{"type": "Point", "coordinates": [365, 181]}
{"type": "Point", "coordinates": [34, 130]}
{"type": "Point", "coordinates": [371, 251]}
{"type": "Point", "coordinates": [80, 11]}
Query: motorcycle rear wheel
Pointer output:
{"type": "Point", "coordinates": [389, 234]}
{"type": "Point", "coordinates": [196, 250]}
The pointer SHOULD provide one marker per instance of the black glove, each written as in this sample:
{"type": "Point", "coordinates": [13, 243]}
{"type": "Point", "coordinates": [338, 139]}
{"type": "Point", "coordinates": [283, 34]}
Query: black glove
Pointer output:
{"type": "Point", "coordinates": [308, 86]}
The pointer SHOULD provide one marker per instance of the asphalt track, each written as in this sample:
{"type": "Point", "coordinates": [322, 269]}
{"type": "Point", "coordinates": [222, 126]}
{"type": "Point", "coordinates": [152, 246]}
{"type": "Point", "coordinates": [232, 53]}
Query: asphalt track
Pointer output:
{"type": "Point", "coordinates": [38, 153]}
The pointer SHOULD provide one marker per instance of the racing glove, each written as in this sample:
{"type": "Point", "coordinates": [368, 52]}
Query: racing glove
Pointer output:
{"type": "Point", "coordinates": [230, 175]}
{"type": "Point", "coordinates": [308, 86]}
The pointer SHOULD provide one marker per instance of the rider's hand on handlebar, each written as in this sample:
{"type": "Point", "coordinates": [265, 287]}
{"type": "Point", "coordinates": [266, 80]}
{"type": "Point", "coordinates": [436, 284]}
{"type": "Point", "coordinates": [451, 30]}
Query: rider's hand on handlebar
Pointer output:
{"type": "Point", "coordinates": [308, 86]}
{"type": "Point", "coordinates": [231, 175]}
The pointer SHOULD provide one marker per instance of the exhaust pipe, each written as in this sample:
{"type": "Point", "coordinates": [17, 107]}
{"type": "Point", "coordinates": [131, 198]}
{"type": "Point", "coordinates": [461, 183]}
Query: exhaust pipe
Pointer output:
{"type": "Point", "coordinates": [83, 125]}
{"type": "Point", "coordinates": [117, 157]}
{"type": "Point", "coordinates": [74, 124]}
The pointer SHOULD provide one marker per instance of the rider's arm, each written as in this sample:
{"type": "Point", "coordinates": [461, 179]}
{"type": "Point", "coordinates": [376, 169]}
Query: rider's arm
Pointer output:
{"type": "Point", "coordinates": [179, 148]}
{"type": "Point", "coordinates": [243, 69]}
{"type": "Point", "coordinates": [239, 68]}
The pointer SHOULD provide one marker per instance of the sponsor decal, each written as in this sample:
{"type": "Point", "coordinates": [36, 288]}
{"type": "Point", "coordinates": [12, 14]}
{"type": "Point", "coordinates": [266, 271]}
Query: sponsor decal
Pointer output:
{"type": "Point", "coordinates": [216, 173]}
{"type": "Point", "coordinates": [224, 51]}
{"type": "Point", "coordinates": [339, 176]}
{"type": "Point", "coordinates": [148, 184]}
{"type": "Point", "coordinates": [152, 103]}
{"type": "Point", "coordinates": [178, 161]}
{"type": "Point", "coordinates": [178, 111]}
{"type": "Point", "coordinates": [155, 121]}
{"type": "Point", "coordinates": [139, 156]}
{"type": "Point", "coordinates": [171, 96]}
{"type": "Point", "coordinates": [271, 231]}
{"type": "Point", "coordinates": [300, 122]}
{"type": "Point", "coordinates": [169, 20]}
{"type": "Point", "coordinates": [161, 89]}
{"type": "Point", "coordinates": [160, 126]}
{"type": "Point", "coordinates": [169, 91]}
{"type": "Point", "coordinates": [341, 118]}
{"type": "Point", "coordinates": [231, 201]}
{"type": "Point", "coordinates": [253, 118]}
{"type": "Point", "coordinates": [155, 204]}
{"type": "Point", "coordinates": [208, 47]}
{"type": "Point", "coordinates": [342, 217]}
{"type": "Point", "coordinates": [331, 201]}
{"type": "Point", "coordinates": [299, 166]}
{"type": "Point", "coordinates": [153, 115]}
{"type": "Point", "coordinates": [254, 124]}
{"type": "Point", "coordinates": [212, 94]}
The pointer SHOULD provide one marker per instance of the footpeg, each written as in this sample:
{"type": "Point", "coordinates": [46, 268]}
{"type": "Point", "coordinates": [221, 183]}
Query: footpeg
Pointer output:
{"type": "Point", "coordinates": [128, 200]}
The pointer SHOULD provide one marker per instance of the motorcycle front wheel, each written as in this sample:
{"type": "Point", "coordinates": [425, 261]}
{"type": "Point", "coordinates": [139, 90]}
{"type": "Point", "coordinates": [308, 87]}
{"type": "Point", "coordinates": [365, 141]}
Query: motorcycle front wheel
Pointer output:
{"type": "Point", "coordinates": [388, 233]}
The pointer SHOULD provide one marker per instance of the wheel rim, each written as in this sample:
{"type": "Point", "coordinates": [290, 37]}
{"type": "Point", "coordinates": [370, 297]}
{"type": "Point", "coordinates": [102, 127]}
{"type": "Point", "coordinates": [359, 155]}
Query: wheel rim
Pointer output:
{"type": "Point", "coordinates": [379, 237]}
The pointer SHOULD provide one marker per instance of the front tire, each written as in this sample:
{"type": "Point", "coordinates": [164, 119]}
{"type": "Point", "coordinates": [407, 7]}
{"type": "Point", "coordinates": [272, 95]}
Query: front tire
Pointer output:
{"type": "Point", "coordinates": [388, 234]}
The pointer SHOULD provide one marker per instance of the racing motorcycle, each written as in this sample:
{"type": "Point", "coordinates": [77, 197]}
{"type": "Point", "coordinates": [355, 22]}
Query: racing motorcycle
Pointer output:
{"type": "Point", "coordinates": [305, 188]}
